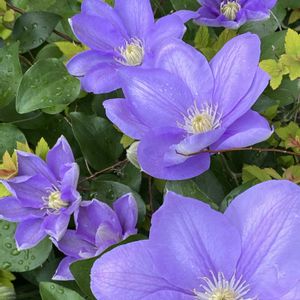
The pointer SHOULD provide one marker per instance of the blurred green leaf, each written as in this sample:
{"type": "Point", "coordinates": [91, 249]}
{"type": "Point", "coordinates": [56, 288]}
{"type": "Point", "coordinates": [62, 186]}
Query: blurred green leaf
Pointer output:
{"type": "Point", "coordinates": [292, 57]}
{"type": "Point", "coordinates": [46, 84]}
{"type": "Point", "coordinates": [205, 187]}
{"type": "Point", "coordinates": [53, 291]}
{"type": "Point", "coordinates": [32, 29]}
{"type": "Point", "coordinates": [272, 45]}
{"type": "Point", "coordinates": [64, 8]}
{"type": "Point", "coordinates": [19, 261]}
{"type": "Point", "coordinates": [276, 70]}
{"type": "Point", "coordinates": [98, 140]}
{"type": "Point", "coordinates": [185, 4]}
{"type": "Point", "coordinates": [9, 136]}
{"type": "Point", "coordinates": [10, 73]}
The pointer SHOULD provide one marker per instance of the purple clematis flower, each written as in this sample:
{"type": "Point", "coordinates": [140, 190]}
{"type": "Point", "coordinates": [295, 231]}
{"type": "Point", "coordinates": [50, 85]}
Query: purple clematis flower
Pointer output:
{"type": "Point", "coordinates": [97, 227]}
{"type": "Point", "coordinates": [251, 252]}
{"type": "Point", "coordinates": [200, 105]}
{"type": "Point", "coordinates": [233, 13]}
{"type": "Point", "coordinates": [43, 195]}
{"type": "Point", "coordinates": [122, 37]}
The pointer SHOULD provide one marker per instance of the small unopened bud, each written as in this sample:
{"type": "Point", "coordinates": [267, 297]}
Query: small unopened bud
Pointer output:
{"type": "Point", "coordinates": [132, 154]}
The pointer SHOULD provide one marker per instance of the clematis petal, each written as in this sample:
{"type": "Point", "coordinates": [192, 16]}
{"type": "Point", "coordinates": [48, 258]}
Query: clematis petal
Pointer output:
{"type": "Point", "coordinates": [134, 277]}
{"type": "Point", "coordinates": [30, 165]}
{"type": "Point", "coordinates": [101, 9]}
{"type": "Point", "coordinates": [292, 294]}
{"type": "Point", "coordinates": [248, 130]}
{"type": "Point", "coordinates": [256, 10]}
{"type": "Point", "coordinates": [97, 33]}
{"type": "Point", "coordinates": [71, 244]}
{"type": "Point", "coordinates": [119, 112]}
{"type": "Point", "coordinates": [270, 3]}
{"type": "Point", "coordinates": [137, 16]}
{"type": "Point", "coordinates": [63, 270]}
{"type": "Point", "coordinates": [210, 16]}
{"type": "Point", "coordinates": [30, 191]}
{"type": "Point", "coordinates": [170, 26]}
{"type": "Point", "coordinates": [152, 152]}
{"type": "Point", "coordinates": [190, 65]}
{"type": "Point", "coordinates": [260, 82]}
{"type": "Point", "coordinates": [198, 142]}
{"type": "Point", "coordinates": [91, 215]}
{"type": "Point", "coordinates": [185, 15]}
{"type": "Point", "coordinates": [83, 62]}
{"type": "Point", "coordinates": [156, 96]}
{"type": "Point", "coordinates": [127, 212]}
{"type": "Point", "coordinates": [70, 175]}
{"type": "Point", "coordinates": [267, 218]}
{"type": "Point", "coordinates": [56, 225]}
{"type": "Point", "coordinates": [102, 78]}
{"type": "Point", "coordinates": [234, 68]}
{"type": "Point", "coordinates": [29, 233]}
{"type": "Point", "coordinates": [11, 210]}
{"type": "Point", "coordinates": [106, 236]}
{"type": "Point", "coordinates": [193, 240]}
{"type": "Point", "coordinates": [58, 156]}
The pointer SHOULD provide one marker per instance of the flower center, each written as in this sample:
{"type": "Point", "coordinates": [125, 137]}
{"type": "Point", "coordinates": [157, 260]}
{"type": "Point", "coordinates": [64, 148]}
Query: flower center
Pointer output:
{"type": "Point", "coordinates": [132, 54]}
{"type": "Point", "coordinates": [218, 288]}
{"type": "Point", "coordinates": [201, 120]}
{"type": "Point", "coordinates": [230, 9]}
{"type": "Point", "coordinates": [55, 202]}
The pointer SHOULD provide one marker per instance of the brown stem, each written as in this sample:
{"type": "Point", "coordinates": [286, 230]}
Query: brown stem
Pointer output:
{"type": "Point", "coordinates": [243, 149]}
{"type": "Point", "coordinates": [119, 163]}
{"type": "Point", "coordinates": [61, 34]}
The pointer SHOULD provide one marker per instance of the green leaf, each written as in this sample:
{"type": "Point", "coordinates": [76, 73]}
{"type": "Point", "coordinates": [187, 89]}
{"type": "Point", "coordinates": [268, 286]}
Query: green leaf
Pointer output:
{"type": "Point", "coordinates": [42, 149]}
{"type": "Point", "coordinates": [64, 8]}
{"type": "Point", "coordinates": [69, 49]}
{"type": "Point", "coordinates": [205, 187]}
{"type": "Point", "coordinates": [109, 191]}
{"type": "Point", "coordinates": [272, 45]}
{"type": "Point", "coordinates": [276, 70]}
{"type": "Point", "coordinates": [33, 28]}
{"type": "Point", "coordinates": [19, 261]}
{"type": "Point", "coordinates": [3, 191]}
{"type": "Point", "coordinates": [9, 136]}
{"type": "Point", "coordinates": [295, 16]}
{"type": "Point", "coordinates": [98, 139]}
{"type": "Point", "coordinates": [234, 193]}
{"type": "Point", "coordinates": [53, 291]}
{"type": "Point", "coordinates": [287, 93]}
{"type": "Point", "coordinates": [128, 175]}
{"type": "Point", "coordinates": [292, 57]}
{"type": "Point", "coordinates": [45, 85]}
{"type": "Point", "coordinates": [6, 279]}
{"type": "Point", "coordinates": [185, 4]}
{"type": "Point", "coordinates": [126, 141]}
{"type": "Point", "coordinates": [10, 73]}
{"type": "Point", "coordinates": [225, 36]}
{"type": "Point", "coordinates": [81, 269]}
{"type": "Point", "coordinates": [202, 38]}
{"type": "Point", "coordinates": [255, 173]}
